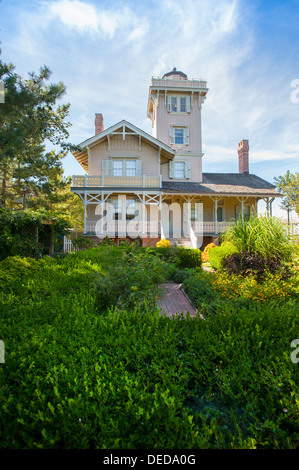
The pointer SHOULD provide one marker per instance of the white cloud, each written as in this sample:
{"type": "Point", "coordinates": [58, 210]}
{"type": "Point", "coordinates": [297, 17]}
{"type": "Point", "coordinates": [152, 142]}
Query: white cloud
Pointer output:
{"type": "Point", "coordinates": [93, 19]}
{"type": "Point", "coordinates": [74, 14]}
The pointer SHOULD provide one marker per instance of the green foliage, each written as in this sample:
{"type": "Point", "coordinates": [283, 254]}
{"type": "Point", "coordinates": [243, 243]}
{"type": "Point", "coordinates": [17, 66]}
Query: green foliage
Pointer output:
{"type": "Point", "coordinates": [218, 254]}
{"type": "Point", "coordinates": [24, 233]}
{"type": "Point", "coordinates": [30, 122]}
{"type": "Point", "coordinates": [245, 264]}
{"type": "Point", "coordinates": [179, 256]}
{"type": "Point", "coordinates": [76, 376]}
{"type": "Point", "coordinates": [262, 236]}
{"type": "Point", "coordinates": [82, 242]}
{"type": "Point", "coordinates": [288, 185]}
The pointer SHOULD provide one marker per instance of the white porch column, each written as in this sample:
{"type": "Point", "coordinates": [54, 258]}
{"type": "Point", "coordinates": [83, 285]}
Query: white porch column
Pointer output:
{"type": "Point", "coordinates": [85, 217]}
{"type": "Point", "coordinates": [85, 209]}
{"type": "Point", "coordinates": [215, 212]}
{"type": "Point", "coordinates": [242, 207]}
{"type": "Point", "coordinates": [143, 216]}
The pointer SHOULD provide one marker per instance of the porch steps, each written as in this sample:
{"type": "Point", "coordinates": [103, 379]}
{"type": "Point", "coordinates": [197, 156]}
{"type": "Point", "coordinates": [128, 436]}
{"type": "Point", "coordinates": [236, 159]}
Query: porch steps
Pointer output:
{"type": "Point", "coordinates": [186, 242]}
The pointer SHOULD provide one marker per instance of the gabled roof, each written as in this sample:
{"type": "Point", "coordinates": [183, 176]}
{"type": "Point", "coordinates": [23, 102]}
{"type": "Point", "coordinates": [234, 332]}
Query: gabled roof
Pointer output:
{"type": "Point", "coordinates": [217, 184]}
{"type": "Point", "coordinates": [124, 128]}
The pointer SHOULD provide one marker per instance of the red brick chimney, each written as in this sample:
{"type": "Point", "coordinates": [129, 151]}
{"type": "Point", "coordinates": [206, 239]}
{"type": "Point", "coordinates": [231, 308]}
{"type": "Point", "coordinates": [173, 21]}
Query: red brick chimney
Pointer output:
{"type": "Point", "coordinates": [243, 152]}
{"type": "Point", "coordinates": [99, 123]}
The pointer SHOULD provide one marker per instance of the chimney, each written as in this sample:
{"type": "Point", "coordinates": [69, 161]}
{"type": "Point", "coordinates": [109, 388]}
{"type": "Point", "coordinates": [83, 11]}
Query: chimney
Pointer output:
{"type": "Point", "coordinates": [243, 152]}
{"type": "Point", "coordinates": [99, 123]}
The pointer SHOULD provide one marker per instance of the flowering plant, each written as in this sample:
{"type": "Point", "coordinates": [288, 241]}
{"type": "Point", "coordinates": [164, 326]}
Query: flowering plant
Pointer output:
{"type": "Point", "coordinates": [164, 243]}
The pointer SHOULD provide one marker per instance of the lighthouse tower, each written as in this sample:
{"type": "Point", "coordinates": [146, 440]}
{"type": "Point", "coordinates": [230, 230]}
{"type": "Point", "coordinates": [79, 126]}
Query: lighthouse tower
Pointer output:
{"type": "Point", "coordinates": [174, 108]}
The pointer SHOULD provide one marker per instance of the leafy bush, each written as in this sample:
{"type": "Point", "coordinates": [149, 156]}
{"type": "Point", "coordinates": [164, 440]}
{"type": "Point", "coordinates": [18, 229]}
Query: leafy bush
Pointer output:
{"type": "Point", "coordinates": [218, 254]}
{"type": "Point", "coordinates": [208, 290]}
{"type": "Point", "coordinates": [179, 256]}
{"type": "Point", "coordinates": [245, 263]}
{"type": "Point", "coordinates": [24, 233]}
{"type": "Point", "coordinates": [189, 258]}
{"type": "Point", "coordinates": [82, 242]}
{"type": "Point", "coordinates": [181, 275]}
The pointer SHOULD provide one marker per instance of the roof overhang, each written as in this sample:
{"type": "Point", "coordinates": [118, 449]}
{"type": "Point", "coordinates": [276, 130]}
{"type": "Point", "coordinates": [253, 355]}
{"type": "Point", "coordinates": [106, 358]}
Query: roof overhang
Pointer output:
{"type": "Point", "coordinates": [123, 128]}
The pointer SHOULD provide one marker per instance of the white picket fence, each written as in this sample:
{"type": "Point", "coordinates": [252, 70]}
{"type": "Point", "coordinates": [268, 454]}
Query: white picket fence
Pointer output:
{"type": "Point", "coordinates": [68, 247]}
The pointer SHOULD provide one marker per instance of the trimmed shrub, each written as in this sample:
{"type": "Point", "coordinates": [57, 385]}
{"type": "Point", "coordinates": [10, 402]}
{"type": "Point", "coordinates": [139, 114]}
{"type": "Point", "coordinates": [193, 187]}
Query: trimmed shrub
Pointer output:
{"type": "Point", "coordinates": [180, 257]}
{"type": "Point", "coordinates": [189, 258]}
{"type": "Point", "coordinates": [218, 254]}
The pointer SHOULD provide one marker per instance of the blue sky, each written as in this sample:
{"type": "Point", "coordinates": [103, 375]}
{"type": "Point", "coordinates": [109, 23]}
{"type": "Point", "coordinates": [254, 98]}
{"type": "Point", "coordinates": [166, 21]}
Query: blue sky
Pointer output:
{"type": "Point", "coordinates": [105, 52]}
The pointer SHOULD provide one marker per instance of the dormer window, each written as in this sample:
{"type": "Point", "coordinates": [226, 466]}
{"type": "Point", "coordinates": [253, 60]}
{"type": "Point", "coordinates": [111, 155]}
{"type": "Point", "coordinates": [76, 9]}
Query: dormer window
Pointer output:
{"type": "Point", "coordinates": [178, 104]}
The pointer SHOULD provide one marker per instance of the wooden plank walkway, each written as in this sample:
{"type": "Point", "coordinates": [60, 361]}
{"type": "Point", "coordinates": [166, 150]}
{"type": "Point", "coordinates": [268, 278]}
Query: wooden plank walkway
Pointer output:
{"type": "Point", "coordinates": [175, 301]}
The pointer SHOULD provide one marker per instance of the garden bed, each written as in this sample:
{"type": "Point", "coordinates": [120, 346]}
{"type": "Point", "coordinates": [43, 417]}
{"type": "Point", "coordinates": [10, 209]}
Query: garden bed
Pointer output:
{"type": "Point", "coordinates": [90, 362]}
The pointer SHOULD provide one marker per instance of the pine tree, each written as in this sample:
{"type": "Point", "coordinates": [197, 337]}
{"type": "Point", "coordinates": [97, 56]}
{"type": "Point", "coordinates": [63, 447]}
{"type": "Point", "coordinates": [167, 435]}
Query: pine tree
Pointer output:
{"type": "Point", "coordinates": [30, 119]}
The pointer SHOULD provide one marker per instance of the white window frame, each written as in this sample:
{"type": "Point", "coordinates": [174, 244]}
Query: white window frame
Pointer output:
{"type": "Point", "coordinates": [127, 170]}
{"type": "Point", "coordinates": [109, 170]}
{"type": "Point", "coordinates": [172, 135]}
{"type": "Point", "coordinates": [179, 168]}
{"type": "Point", "coordinates": [176, 108]}
{"type": "Point", "coordinates": [187, 169]}
{"type": "Point", "coordinates": [119, 170]}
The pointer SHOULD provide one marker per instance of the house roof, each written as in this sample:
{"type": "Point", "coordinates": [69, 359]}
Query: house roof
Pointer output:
{"type": "Point", "coordinates": [125, 128]}
{"type": "Point", "coordinates": [214, 184]}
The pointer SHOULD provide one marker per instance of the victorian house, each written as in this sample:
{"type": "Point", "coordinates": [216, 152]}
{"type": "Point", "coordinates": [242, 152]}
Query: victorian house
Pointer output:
{"type": "Point", "coordinates": [153, 187]}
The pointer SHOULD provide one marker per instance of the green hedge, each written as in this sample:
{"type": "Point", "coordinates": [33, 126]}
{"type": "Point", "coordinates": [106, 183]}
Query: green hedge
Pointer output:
{"type": "Point", "coordinates": [182, 258]}
{"type": "Point", "coordinates": [218, 254]}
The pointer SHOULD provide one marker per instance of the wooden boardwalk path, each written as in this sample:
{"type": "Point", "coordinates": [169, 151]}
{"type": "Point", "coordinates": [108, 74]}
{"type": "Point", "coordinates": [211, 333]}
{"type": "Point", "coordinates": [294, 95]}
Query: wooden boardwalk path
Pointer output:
{"type": "Point", "coordinates": [175, 301]}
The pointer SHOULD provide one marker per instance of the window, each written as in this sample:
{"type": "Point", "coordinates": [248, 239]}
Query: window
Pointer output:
{"type": "Point", "coordinates": [178, 104]}
{"type": "Point", "coordinates": [117, 207]}
{"type": "Point", "coordinates": [193, 212]}
{"type": "Point", "coordinates": [173, 106]}
{"type": "Point", "coordinates": [130, 209]}
{"type": "Point", "coordinates": [131, 168]}
{"type": "Point", "coordinates": [117, 167]}
{"type": "Point", "coordinates": [179, 170]}
{"type": "Point", "coordinates": [183, 107]}
{"type": "Point", "coordinates": [122, 167]}
{"type": "Point", "coordinates": [246, 212]}
{"type": "Point", "coordinates": [179, 135]}
{"type": "Point", "coordinates": [220, 214]}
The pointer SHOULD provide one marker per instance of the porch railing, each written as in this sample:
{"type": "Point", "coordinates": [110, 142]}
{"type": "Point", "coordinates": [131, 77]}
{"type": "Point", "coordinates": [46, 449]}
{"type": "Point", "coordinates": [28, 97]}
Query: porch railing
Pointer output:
{"type": "Point", "coordinates": [138, 227]}
{"type": "Point", "coordinates": [162, 82]}
{"type": "Point", "coordinates": [90, 181]}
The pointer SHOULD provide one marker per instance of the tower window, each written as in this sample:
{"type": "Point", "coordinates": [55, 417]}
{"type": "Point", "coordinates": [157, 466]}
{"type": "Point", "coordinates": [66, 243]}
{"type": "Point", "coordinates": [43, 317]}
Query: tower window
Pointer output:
{"type": "Point", "coordinates": [178, 104]}
{"type": "Point", "coordinates": [174, 106]}
{"type": "Point", "coordinates": [178, 136]}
